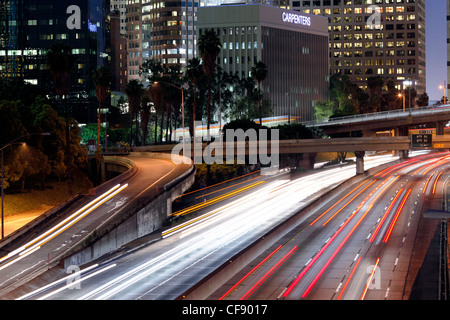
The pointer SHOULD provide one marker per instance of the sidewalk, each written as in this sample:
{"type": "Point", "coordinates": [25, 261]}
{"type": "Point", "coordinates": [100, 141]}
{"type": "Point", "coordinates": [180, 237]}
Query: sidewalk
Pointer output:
{"type": "Point", "coordinates": [15, 222]}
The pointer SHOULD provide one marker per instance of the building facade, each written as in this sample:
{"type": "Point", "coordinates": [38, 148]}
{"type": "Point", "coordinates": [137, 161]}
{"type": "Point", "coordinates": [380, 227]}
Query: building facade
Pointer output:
{"type": "Point", "coordinates": [118, 54]}
{"type": "Point", "coordinates": [120, 7]}
{"type": "Point", "coordinates": [293, 46]}
{"type": "Point", "coordinates": [29, 28]}
{"type": "Point", "coordinates": [134, 34]}
{"type": "Point", "coordinates": [383, 38]}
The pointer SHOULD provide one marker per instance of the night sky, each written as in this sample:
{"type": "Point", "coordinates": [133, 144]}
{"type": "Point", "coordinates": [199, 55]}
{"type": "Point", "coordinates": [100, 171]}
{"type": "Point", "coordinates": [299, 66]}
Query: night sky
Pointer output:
{"type": "Point", "coordinates": [436, 40]}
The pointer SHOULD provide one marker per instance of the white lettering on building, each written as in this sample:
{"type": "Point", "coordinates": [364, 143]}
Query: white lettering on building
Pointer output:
{"type": "Point", "coordinates": [296, 18]}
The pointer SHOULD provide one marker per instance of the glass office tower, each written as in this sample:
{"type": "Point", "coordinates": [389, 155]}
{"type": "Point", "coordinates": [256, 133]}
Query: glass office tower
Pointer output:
{"type": "Point", "coordinates": [29, 28]}
{"type": "Point", "coordinates": [293, 46]}
{"type": "Point", "coordinates": [374, 38]}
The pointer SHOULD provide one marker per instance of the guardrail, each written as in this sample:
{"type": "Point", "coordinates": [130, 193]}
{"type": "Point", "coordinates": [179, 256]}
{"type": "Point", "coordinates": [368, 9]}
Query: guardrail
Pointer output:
{"type": "Point", "coordinates": [378, 116]}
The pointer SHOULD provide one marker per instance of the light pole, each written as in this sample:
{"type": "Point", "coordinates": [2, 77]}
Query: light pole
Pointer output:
{"type": "Point", "coordinates": [12, 142]}
{"type": "Point", "coordinates": [402, 95]}
{"type": "Point", "coordinates": [445, 91]}
{"type": "Point", "coordinates": [409, 83]}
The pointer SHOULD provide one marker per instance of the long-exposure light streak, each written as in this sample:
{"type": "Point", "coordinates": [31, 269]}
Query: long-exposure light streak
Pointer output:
{"type": "Point", "coordinates": [250, 273]}
{"type": "Point", "coordinates": [369, 281]}
{"type": "Point", "coordinates": [75, 282]}
{"type": "Point", "coordinates": [71, 276]}
{"type": "Point", "coordinates": [350, 201]}
{"type": "Point", "coordinates": [436, 182]}
{"type": "Point", "coordinates": [316, 257]}
{"type": "Point", "coordinates": [268, 274]}
{"type": "Point", "coordinates": [349, 279]}
{"type": "Point", "coordinates": [34, 244]}
{"type": "Point", "coordinates": [35, 240]}
{"type": "Point", "coordinates": [334, 205]}
{"type": "Point", "coordinates": [397, 214]}
{"type": "Point", "coordinates": [386, 214]}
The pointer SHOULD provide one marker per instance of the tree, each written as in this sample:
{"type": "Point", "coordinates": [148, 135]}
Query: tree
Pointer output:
{"type": "Point", "coordinates": [133, 91]}
{"type": "Point", "coordinates": [209, 47]}
{"type": "Point", "coordinates": [102, 79]}
{"type": "Point", "coordinates": [259, 73]}
{"type": "Point", "coordinates": [145, 114]}
{"type": "Point", "coordinates": [375, 85]}
{"type": "Point", "coordinates": [60, 63]}
{"type": "Point", "coordinates": [323, 110]}
{"type": "Point", "coordinates": [423, 100]}
{"type": "Point", "coordinates": [194, 72]}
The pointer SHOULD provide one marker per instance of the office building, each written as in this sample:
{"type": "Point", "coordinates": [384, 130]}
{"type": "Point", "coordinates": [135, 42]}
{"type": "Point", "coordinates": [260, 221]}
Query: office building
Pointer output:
{"type": "Point", "coordinates": [120, 7]}
{"type": "Point", "coordinates": [28, 29]}
{"type": "Point", "coordinates": [134, 34]}
{"type": "Point", "coordinates": [374, 38]}
{"type": "Point", "coordinates": [293, 46]}
{"type": "Point", "coordinates": [118, 54]}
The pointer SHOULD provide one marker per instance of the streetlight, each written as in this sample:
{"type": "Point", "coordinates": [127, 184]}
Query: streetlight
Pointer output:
{"type": "Point", "coordinates": [402, 95]}
{"type": "Point", "coordinates": [409, 83]}
{"type": "Point", "coordinates": [12, 142]}
{"type": "Point", "coordinates": [445, 91]}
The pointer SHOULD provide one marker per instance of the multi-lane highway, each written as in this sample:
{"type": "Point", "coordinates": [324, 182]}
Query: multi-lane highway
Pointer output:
{"type": "Point", "coordinates": [358, 245]}
{"type": "Point", "coordinates": [36, 251]}
{"type": "Point", "coordinates": [230, 220]}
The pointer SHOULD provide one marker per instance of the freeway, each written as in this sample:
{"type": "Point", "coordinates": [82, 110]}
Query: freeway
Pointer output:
{"type": "Point", "coordinates": [231, 220]}
{"type": "Point", "coordinates": [40, 248]}
{"type": "Point", "coordinates": [360, 245]}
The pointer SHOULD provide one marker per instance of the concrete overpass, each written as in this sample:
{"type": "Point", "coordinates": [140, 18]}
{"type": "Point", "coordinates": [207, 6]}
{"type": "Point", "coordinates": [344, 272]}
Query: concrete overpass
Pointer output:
{"type": "Point", "coordinates": [397, 119]}
{"type": "Point", "coordinates": [69, 234]}
{"type": "Point", "coordinates": [359, 146]}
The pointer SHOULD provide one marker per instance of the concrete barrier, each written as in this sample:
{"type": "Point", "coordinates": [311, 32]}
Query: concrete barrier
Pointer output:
{"type": "Point", "coordinates": [135, 220]}
{"type": "Point", "coordinates": [213, 281]}
{"type": "Point", "coordinates": [130, 170]}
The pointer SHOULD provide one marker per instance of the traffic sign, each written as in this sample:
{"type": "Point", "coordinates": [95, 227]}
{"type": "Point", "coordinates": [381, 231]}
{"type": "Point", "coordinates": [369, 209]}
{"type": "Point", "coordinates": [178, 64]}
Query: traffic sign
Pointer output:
{"type": "Point", "coordinates": [422, 140]}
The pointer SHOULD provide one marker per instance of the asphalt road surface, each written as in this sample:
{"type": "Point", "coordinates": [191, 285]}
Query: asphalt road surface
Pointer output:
{"type": "Point", "coordinates": [188, 252]}
{"type": "Point", "coordinates": [21, 260]}
{"type": "Point", "coordinates": [357, 246]}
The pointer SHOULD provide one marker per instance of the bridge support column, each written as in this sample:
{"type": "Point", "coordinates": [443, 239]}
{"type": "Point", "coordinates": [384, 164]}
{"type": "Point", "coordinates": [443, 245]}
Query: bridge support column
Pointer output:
{"type": "Point", "coordinates": [360, 162]}
{"type": "Point", "coordinates": [403, 154]}
{"type": "Point", "coordinates": [440, 125]}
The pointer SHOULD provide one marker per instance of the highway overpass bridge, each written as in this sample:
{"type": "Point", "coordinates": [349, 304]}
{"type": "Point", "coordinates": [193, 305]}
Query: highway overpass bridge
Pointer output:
{"type": "Point", "coordinates": [398, 120]}
{"type": "Point", "coordinates": [131, 205]}
{"type": "Point", "coordinates": [306, 148]}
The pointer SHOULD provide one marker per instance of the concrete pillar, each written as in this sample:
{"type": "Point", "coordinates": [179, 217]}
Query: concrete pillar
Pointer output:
{"type": "Point", "coordinates": [440, 125]}
{"type": "Point", "coordinates": [401, 132]}
{"type": "Point", "coordinates": [360, 162]}
{"type": "Point", "coordinates": [403, 154]}
{"type": "Point", "coordinates": [307, 161]}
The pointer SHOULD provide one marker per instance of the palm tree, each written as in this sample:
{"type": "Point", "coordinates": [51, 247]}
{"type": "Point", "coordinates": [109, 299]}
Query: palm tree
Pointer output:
{"type": "Point", "coordinates": [133, 91]}
{"type": "Point", "coordinates": [209, 47]}
{"type": "Point", "coordinates": [259, 73]}
{"type": "Point", "coordinates": [102, 79]}
{"type": "Point", "coordinates": [145, 114]}
{"type": "Point", "coordinates": [156, 92]}
{"type": "Point", "coordinates": [194, 72]}
{"type": "Point", "coordinates": [60, 63]}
